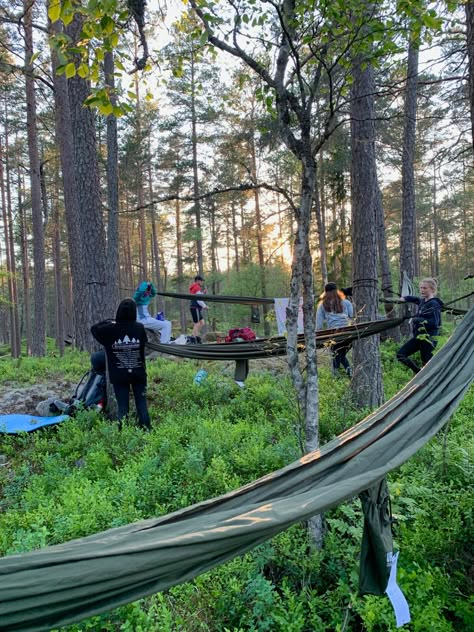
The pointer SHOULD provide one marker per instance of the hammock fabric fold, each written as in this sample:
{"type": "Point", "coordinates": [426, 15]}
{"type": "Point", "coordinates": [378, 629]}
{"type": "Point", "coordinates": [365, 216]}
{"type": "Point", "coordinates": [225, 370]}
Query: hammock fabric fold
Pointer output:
{"type": "Point", "coordinates": [266, 347]}
{"type": "Point", "coordinates": [65, 583]}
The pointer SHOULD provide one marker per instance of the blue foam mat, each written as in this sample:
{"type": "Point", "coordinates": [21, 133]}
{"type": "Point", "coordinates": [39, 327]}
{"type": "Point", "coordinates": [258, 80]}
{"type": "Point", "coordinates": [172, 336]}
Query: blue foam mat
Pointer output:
{"type": "Point", "coordinates": [16, 423]}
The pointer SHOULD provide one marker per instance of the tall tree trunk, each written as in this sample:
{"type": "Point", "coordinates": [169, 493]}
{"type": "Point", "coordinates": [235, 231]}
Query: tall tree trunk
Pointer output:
{"type": "Point", "coordinates": [259, 227]}
{"type": "Point", "coordinates": [318, 208]}
{"type": "Point", "coordinates": [384, 262]}
{"type": "Point", "coordinates": [367, 387]}
{"type": "Point", "coordinates": [59, 304]}
{"type": "Point", "coordinates": [180, 266]}
{"type": "Point", "coordinates": [39, 330]}
{"type": "Point", "coordinates": [435, 227]}
{"type": "Point", "coordinates": [194, 142]}
{"type": "Point", "coordinates": [160, 301]}
{"type": "Point", "coordinates": [139, 180]}
{"type": "Point", "coordinates": [64, 138]}
{"type": "Point", "coordinates": [235, 233]}
{"type": "Point", "coordinates": [14, 283]}
{"type": "Point", "coordinates": [88, 189]}
{"type": "Point", "coordinates": [469, 8]}
{"type": "Point", "coordinates": [408, 227]}
{"type": "Point", "coordinates": [113, 293]}
{"type": "Point", "coordinates": [9, 256]}
{"type": "Point", "coordinates": [25, 265]}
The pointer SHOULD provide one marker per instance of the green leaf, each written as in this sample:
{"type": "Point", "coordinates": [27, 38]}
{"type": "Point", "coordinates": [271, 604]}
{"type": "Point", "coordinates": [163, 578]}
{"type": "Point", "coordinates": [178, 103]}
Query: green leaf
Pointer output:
{"type": "Point", "coordinates": [54, 10]}
{"type": "Point", "coordinates": [107, 24]}
{"type": "Point", "coordinates": [83, 71]}
{"type": "Point", "coordinates": [105, 108]}
{"type": "Point", "coordinates": [70, 70]}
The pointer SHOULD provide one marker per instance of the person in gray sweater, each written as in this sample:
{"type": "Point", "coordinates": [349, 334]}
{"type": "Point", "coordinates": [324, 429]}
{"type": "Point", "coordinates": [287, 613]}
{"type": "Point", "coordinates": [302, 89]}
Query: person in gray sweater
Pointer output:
{"type": "Point", "coordinates": [334, 312]}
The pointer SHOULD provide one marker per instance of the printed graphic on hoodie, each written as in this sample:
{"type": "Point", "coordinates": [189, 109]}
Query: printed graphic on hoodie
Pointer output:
{"type": "Point", "coordinates": [127, 353]}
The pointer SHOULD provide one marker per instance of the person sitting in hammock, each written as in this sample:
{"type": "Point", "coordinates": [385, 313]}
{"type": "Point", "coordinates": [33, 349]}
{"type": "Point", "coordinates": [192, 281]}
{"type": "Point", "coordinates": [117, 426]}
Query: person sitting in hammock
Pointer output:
{"type": "Point", "coordinates": [143, 296]}
{"type": "Point", "coordinates": [425, 325]}
{"type": "Point", "coordinates": [334, 311]}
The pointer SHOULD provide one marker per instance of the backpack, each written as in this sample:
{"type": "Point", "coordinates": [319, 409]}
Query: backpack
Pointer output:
{"type": "Point", "coordinates": [91, 391]}
{"type": "Point", "coordinates": [244, 333]}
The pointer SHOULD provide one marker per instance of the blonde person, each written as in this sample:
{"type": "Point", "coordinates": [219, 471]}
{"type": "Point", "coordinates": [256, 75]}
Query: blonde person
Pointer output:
{"type": "Point", "coordinates": [335, 311]}
{"type": "Point", "coordinates": [425, 325]}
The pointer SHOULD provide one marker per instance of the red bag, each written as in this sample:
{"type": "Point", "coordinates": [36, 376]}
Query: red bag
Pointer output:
{"type": "Point", "coordinates": [245, 333]}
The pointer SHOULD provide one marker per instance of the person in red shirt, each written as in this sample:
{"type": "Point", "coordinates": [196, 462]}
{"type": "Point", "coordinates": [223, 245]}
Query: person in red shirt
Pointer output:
{"type": "Point", "coordinates": [197, 306]}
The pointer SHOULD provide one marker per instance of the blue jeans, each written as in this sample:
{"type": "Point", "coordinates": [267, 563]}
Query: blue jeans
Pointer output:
{"type": "Point", "coordinates": [122, 395]}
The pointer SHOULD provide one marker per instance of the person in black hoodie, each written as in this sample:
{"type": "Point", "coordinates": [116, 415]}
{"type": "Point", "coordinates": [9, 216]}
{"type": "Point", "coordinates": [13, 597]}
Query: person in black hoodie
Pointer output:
{"type": "Point", "coordinates": [425, 325]}
{"type": "Point", "coordinates": [124, 340]}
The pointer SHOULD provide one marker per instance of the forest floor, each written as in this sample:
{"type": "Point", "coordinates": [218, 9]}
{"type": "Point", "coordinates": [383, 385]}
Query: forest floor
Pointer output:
{"type": "Point", "coordinates": [23, 399]}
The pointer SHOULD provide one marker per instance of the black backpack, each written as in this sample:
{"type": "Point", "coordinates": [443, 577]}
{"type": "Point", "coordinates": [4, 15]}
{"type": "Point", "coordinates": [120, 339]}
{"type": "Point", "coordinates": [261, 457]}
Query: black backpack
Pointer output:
{"type": "Point", "coordinates": [91, 392]}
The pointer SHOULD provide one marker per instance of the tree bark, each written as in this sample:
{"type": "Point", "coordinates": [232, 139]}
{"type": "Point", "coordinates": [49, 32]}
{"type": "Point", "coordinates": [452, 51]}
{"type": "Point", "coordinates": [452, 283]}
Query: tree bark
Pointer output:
{"type": "Point", "coordinates": [65, 141]}
{"type": "Point", "coordinates": [259, 227]}
{"type": "Point", "coordinates": [367, 387]}
{"type": "Point", "coordinates": [9, 256]}
{"type": "Point", "coordinates": [14, 284]}
{"type": "Point", "coordinates": [194, 142]}
{"type": "Point", "coordinates": [56, 244]}
{"type": "Point", "coordinates": [113, 293]}
{"type": "Point", "coordinates": [39, 329]}
{"type": "Point", "coordinates": [469, 8]}
{"type": "Point", "coordinates": [321, 233]}
{"type": "Point", "coordinates": [25, 266]}
{"type": "Point", "coordinates": [384, 263]}
{"type": "Point", "coordinates": [408, 227]}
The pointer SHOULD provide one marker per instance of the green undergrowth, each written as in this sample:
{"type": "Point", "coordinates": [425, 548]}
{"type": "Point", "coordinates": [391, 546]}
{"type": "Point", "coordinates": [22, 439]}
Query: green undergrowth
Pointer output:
{"type": "Point", "coordinates": [84, 476]}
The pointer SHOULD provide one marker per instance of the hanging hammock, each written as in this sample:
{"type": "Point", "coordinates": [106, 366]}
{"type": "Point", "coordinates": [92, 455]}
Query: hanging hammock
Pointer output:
{"type": "Point", "coordinates": [66, 583]}
{"type": "Point", "coordinates": [267, 347]}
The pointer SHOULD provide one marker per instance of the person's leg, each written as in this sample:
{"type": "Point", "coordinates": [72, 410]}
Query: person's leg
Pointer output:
{"type": "Point", "coordinates": [139, 392]}
{"type": "Point", "coordinates": [345, 361]}
{"type": "Point", "coordinates": [122, 395]}
{"type": "Point", "coordinates": [427, 348]}
{"type": "Point", "coordinates": [197, 319]}
{"type": "Point", "coordinates": [164, 327]}
{"type": "Point", "coordinates": [409, 348]}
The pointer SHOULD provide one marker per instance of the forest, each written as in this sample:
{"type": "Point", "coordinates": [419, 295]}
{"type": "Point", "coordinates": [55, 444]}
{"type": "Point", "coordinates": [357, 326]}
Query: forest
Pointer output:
{"type": "Point", "coordinates": [269, 148]}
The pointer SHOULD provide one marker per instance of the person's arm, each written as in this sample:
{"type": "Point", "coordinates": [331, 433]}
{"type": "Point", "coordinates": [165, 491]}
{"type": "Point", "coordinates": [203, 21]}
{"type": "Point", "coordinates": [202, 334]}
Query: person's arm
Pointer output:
{"type": "Point", "coordinates": [349, 308]}
{"type": "Point", "coordinates": [411, 299]}
{"type": "Point", "coordinates": [201, 304]}
{"type": "Point", "coordinates": [140, 292]}
{"type": "Point", "coordinates": [320, 317]}
{"type": "Point", "coordinates": [100, 330]}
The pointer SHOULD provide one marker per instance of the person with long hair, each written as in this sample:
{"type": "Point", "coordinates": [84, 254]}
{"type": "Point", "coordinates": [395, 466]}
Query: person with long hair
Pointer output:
{"type": "Point", "coordinates": [335, 311]}
{"type": "Point", "coordinates": [124, 340]}
{"type": "Point", "coordinates": [425, 325]}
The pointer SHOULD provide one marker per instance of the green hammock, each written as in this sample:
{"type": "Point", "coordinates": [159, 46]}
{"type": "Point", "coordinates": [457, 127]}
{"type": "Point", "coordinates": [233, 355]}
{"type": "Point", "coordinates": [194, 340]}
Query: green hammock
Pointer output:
{"type": "Point", "coordinates": [266, 347]}
{"type": "Point", "coordinates": [65, 583]}
{"type": "Point", "coordinates": [218, 298]}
